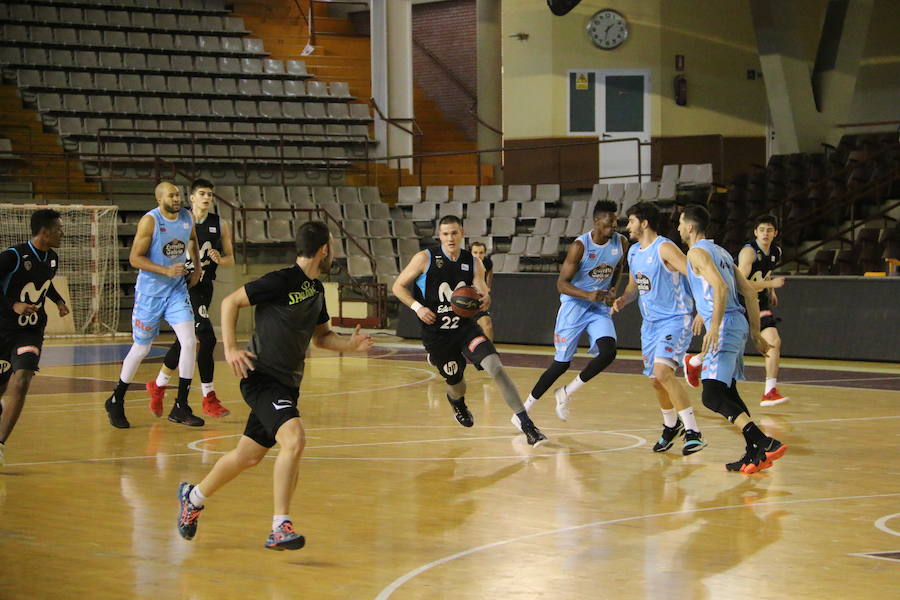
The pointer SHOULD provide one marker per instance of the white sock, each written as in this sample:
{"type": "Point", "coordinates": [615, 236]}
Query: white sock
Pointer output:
{"type": "Point", "coordinates": [687, 417]}
{"type": "Point", "coordinates": [695, 360]}
{"type": "Point", "coordinates": [279, 519]}
{"type": "Point", "coordinates": [207, 388]}
{"type": "Point", "coordinates": [573, 387]}
{"type": "Point", "coordinates": [196, 497]}
{"type": "Point", "coordinates": [162, 380]}
{"type": "Point", "coordinates": [529, 402]}
{"type": "Point", "coordinates": [770, 383]}
{"type": "Point", "coordinates": [669, 417]}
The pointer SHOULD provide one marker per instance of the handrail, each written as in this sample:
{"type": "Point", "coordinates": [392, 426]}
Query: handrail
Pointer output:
{"type": "Point", "coordinates": [415, 131]}
{"type": "Point", "coordinates": [446, 70]}
{"type": "Point", "coordinates": [868, 124]}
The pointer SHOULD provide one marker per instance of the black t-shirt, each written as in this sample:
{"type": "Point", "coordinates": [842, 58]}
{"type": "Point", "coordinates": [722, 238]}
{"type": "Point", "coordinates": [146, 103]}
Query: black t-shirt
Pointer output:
{"type": "Point", "coordinates": [289, 307]}
{"type": "Point", "coordinates": [763, 265]}
{"type": "Point", "coordinates": [209, 236]}
{"type": "Point", "coordinates": [25, 276]}
{"type": "Point", "coordinates": [435, 286]}
{"type": "Point", "coordinates": [488, 265]}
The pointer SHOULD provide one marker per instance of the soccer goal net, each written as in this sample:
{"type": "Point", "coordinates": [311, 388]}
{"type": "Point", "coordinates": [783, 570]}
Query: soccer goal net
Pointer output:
{"type": "Point", "coordinates": [88, 273]}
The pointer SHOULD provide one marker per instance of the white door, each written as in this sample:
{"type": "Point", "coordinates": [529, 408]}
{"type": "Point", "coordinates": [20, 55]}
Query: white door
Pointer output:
{"type": "Point", "coordinates": [623, 111]}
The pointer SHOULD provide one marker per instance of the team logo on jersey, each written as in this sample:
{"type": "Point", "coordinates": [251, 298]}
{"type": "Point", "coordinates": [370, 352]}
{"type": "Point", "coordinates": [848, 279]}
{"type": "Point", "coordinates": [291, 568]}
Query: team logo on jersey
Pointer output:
{"type": "Point", "coordinates": [27, 265]}
{"type": "Point", "coordinates": [31, 294]}
{"type": "Point", "coordinates": [444, 293]}
{"type": "Point", "coordinates": [601, 272]}
{"type": "Point", "coordinates": [439, 262]}
{"type": "Point", "coordinates": [464, 267]}
{"type": "Point", "coordinates": [173, 249]}
{"type": "Point", "coordinates": [643, 282]}
{"type": "Point", "coordinates": [212, 229]}
{"type": "Point", "coordinates": [307, 290]}
{"type": "Point", "coordinates": [592, 255]}
{"type": "Point", "coordinates": [4, 366]}
{"type": "Point", "coordinates": [162, 229]}
{"type": "Point", "coordinates": [451, 368]}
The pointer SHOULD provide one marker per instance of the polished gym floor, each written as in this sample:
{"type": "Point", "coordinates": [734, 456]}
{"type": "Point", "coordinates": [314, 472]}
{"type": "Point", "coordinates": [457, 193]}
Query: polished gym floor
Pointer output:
{"type": "Point", "coordinates": [398, 501]}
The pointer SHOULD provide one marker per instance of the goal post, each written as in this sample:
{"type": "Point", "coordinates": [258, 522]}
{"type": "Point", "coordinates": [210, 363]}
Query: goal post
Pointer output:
{"type": "Point", "coordinates": [88, 273]}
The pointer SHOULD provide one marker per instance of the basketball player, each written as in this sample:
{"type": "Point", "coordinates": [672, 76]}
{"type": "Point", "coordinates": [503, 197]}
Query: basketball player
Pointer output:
{"type": "Point", "coordinates": [657, 274]}
{"type": "Point", "coordinates": [756, 261]}
{"type": "Point", "coordinates": [164, 241]}
{"type": "Point", "coordinates": [483, 318]}
{"type": "Point", "coordinates": [448, 338]}
{"type": "Point", "coordinates": [214, 237]}
{"type": "Point", "coordinates": [290, 312]}
{"type": "Point", "coordinates": [26, 274]}
{"type": "Point", "coordinates": [715, 283]}
{"type": "Point", "coordinates": [587, 284]}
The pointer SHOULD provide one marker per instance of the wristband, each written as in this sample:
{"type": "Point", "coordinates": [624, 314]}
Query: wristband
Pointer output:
{"type": "Point", "coordinates": [415, 306]}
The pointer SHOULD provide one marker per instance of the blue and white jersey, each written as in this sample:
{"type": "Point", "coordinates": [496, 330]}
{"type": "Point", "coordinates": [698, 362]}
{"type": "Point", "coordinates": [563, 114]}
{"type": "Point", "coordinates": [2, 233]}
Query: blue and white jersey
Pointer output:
{"type": "Point", "coordinates": [663, 293]}
{"type": "Point", "coordinates": [703, 291]}
{"type": "Point", "coordinates": [167, 247]}
{"type": "Point", "coordinates": [597, 266]}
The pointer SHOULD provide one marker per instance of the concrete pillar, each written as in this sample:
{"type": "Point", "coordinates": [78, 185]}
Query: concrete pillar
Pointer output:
{"type": "Point", "coordinates": [490, 80]}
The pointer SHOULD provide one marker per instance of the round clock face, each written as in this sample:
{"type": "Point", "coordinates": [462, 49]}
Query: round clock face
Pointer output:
{"type": "Point", "coordinates": [607, 29]}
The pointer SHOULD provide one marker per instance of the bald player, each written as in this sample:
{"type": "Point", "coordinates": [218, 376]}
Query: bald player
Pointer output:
{"type": "Point", "coordinates": [164, 242]}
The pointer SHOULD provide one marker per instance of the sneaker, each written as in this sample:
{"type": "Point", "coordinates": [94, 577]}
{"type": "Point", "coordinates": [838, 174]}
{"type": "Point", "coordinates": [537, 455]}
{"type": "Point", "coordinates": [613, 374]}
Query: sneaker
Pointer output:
{"type": "Point", "coordinates": [157, 395]}
{"type": "Point", "coordinates": [752, 462]}
{"type": "Point", "coordinates": [284, 537]}
{"type": "Point", "coordinates": [773, 450]}
{"type": "Point", "coordinates": [533, 434]}
{"type": "Point", "coordinates": [691, 373]}
{"type": "Point", "coordinates": [773, 398]}
{"type": "Point", "coordinates": [515, 418]}
{"type": "Point", "coordinates": [187, 513]}
{"type": "Point", "coordinates": [667, 439]}
{"type": "Point", "coordinates": [213, 407]}
{"type": "Point", "coordinates": [562, 403]}
{"type": "Point", "coordinates": [184, 415]}
{"type": "Point", "coordinates": [115, 410]}
{"type": "Point", "coordinates": [693, 442]}
{"type": "Point", "coordinates": [461, 412]}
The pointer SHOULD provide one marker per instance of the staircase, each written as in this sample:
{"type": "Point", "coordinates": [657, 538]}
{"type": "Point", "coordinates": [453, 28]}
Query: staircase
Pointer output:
{"type": "Point", "coordinates": [52, 178]}
{"type": "Point", "coordinates": [343, 55]}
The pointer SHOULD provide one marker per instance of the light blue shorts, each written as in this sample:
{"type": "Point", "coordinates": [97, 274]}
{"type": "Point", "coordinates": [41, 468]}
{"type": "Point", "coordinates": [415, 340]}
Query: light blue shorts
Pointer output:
{"type": "Point", "coordinates": [573, 319]}
{"type": "Point", "coordinates": [727, 363]}
{"type": "Point", "coordinates": [148, 310]}
{"type": "Point", "coordinates": [665, 341]}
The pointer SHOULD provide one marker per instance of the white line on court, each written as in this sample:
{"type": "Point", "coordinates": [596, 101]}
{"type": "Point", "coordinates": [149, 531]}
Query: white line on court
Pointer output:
{"type": "Point", "coordinates": [864, 555]}
{"type": "Point", "coordinates": [880, 524]}
{"type": "Point", "coordinates": [388, 591]}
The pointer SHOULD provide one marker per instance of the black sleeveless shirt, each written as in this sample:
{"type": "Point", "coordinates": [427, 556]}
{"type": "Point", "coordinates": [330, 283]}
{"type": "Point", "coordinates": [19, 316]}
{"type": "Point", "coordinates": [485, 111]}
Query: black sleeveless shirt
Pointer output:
{"type": "Point", "coordinates": [763, 265]}
{"type": "Point", "coordinates": [209, 235]}
{"type": "Point", "coordinates": [435, 286]}
{"type": "Point", "coordinates": [27, 280]}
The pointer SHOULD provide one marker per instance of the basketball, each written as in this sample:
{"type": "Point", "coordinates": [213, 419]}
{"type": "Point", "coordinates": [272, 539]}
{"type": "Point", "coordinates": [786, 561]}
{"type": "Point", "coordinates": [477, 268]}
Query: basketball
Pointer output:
{"type": "Point", "coordinates": [465, 302]}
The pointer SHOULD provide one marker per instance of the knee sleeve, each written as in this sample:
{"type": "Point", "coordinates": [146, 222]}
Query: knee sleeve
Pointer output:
{"type": "Point", "coordinates": [717, 397]}
{"type": "Point", "coordinates": [171, 359]}
{"type": "Point", "coordinates": [456, 390]}
{"type": "Point", "coordinates": [606, 347]}
{"type": "Point", "coordinates": [737, 398]}
{"type": "Point", "coordinates": [206, 345]}
{"type": "Point", "coordinates": [549, 377]}
{"type": "Point", "coordinates": [494, 367]}
{"type": "Point", "coordinates": [492, 364]}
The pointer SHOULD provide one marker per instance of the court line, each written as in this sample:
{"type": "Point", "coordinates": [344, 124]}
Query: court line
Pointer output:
{"type": "Point", "coordinates": [807, 381]}
{"type": "Point", "coordinates": [880, 524]}
{"type": "Point", "coordinates": [388, 591]}
{"type": "Point", "coordinates": [864, 555]}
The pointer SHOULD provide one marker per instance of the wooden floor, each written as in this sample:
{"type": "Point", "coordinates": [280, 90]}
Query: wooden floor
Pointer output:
{"type": "Point", "coordinates": [397, 501]}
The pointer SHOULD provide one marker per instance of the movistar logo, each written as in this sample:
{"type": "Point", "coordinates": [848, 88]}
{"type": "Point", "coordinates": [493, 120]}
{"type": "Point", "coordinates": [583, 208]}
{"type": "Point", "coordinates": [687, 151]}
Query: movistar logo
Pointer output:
{"type": "Point", "coordinates": [307, 290]}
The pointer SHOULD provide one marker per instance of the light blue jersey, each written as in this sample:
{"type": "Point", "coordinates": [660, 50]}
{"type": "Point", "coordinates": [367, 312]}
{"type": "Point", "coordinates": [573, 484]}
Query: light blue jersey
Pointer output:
{"type": "Point", "coordinates": [663, 293]}
{"type": "Point", "coordinates": [595, 271]}
{"type": "Point", "coordinates": [703, 291]}
{"type": "Point", "coordinates": [167, 247]}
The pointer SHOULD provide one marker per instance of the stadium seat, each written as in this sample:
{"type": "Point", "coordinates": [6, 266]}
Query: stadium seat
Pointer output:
{"type": "Point", "coordinates": [464, 193]}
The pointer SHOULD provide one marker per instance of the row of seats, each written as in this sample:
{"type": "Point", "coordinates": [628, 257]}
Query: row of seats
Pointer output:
{"type": "Point", "coordinates": [869, 253]}
{"type": "Point", "coordinates": [199, 109]}
{"type": "Point", "coordinates": [142, 62]}
{"type": "Point", "coordinates": [437, 194]}
{"type": "Point", "coordinates": [253, 196]}
{"type": "Point", "coordinates": [180, 6]}
{"type": "Point", "coordinates": [32, 81]}
{"type": "Point", "coordinates": [127, 19]}
{"type": "Point", "coordinates": [144, 152]}
{"type": "Point", "coordinates": [687, 175]}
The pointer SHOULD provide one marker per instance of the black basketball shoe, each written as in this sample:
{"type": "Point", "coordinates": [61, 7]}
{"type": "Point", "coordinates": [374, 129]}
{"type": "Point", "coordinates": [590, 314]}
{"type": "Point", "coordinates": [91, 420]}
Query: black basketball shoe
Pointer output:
{"type": "Point", "coordinates": [461, 412]}
{"type": "Point", "coordinates": [115, 410]}
{"type": "Point", "coordinates": [182, 413]}
{"type": "Point", "coordinates": [665, 441]}
{"type": "Point", "coordinates": [693, 442]}
{"type": "Point", "coordinates": [533, 434]}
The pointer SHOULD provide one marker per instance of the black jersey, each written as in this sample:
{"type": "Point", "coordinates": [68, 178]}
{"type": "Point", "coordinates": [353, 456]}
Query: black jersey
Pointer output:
{"type": "Point", "coordinates": [209, 236]}
{"type": "Point", "coordinates": [25, 276]}
{"type": "Point", "coordinates": [435, 286]}
{"type": "Point", "coordinates": [289, 307]}
{"type": "Point", "coordinates": [763, 265]}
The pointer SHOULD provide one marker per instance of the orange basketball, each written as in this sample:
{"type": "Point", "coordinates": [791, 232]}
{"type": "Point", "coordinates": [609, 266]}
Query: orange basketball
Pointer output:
{"type": "Point", "coordinates": [465, 302]}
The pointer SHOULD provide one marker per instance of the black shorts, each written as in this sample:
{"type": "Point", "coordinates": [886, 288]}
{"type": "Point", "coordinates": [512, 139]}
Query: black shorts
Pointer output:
{"type": "Point", "coordinates": [271, 405]}
{"type": "Point", "coordinates": [767, 319]}
{"type": "Point", "coordinates": [19, 350]}
{"type": "Point", "coordinates": [201, 297]}
{"type": "Point", "coordinates": [449, 350]}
